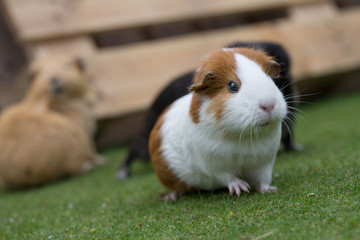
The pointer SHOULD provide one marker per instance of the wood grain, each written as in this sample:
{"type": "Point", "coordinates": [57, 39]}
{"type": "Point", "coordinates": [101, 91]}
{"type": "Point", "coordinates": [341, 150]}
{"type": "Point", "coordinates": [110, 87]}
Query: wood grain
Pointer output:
{"type": "Point", "coordinates": [40, 19]}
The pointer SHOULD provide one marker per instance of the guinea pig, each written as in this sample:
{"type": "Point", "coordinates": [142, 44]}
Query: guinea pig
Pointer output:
{"type": "Point", "coordinates": [47, 135]}
{"type": "Point", "coordinates": [179, 87]}
{"type": "Point", "coordinates": [226, 132]}
{"type": "Point", "coordinates": [72, 73]}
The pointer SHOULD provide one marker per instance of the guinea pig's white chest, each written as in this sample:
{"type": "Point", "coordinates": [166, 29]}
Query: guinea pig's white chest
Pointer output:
{"type": "Point", "coordinates": [196, 155]}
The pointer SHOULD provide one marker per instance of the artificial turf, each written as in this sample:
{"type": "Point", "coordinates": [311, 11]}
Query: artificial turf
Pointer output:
{"type": "Point", "coordinates": [318, 195]}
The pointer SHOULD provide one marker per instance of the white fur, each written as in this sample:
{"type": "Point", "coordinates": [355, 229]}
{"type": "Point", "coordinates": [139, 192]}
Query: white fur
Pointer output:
{"type": "Point", "coordinates": [235, 150]}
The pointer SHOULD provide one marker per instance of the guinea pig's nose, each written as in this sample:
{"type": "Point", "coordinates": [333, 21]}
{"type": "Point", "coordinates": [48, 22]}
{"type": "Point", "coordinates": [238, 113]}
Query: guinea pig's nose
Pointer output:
{"type": "Point", "coordinates": [267, 107]}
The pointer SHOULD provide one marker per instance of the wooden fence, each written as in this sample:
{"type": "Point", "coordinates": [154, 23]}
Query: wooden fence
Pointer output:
{"type": "Point", "coordinates": [133, 48]}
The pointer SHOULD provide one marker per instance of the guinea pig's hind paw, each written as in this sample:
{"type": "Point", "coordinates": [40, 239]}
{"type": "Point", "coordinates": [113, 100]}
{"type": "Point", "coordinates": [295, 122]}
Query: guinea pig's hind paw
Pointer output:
{"type": "Point", "coordinates": [268, 189]}
{"type": "Point", "coordinates": [99, 160]}
{"type": "Point", "coordinates": [294, 147]}
{"type": "Point", "coordinates": [123, 173]}
{"type": "Point", "coordinates": [298, 147]}
{"type": "Point", "coordinates": [173, 196]}
{"type": "Point", "coordinates": [87, 166]}
{"type": "Point", "coordinates": [237, 186]}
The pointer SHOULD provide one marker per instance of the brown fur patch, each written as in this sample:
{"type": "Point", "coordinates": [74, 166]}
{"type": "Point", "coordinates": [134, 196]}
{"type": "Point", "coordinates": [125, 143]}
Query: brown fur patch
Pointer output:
{"type": "Point", "coordinates": [266, 62]}
{"type": "Point", "coordinates": [211, 81]}
{"type": "Point", "coordinates": [195, 108]}
{"type": "Point", "coordinates": [39, 146]}
{"type": "Point", "coordinates": [217, 71]}
{"type": "Point", "coordinates": [164, 174]}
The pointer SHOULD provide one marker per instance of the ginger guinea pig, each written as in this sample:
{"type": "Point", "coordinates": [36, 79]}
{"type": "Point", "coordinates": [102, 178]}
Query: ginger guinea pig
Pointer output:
{"type": "Point", "coordinates": [78, 100]}
{"type": "Point", "coordinates": [226, 132]}
{"type": "Point", "coordinates": [47, 135]}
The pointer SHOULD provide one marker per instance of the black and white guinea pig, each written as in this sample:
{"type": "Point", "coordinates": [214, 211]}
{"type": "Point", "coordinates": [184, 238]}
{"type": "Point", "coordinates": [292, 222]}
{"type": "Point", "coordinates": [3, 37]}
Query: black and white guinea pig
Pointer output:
{"type": "Point", "coordinates": [226, 132]}
{"type": "Point", "coordinates": [179, 87]}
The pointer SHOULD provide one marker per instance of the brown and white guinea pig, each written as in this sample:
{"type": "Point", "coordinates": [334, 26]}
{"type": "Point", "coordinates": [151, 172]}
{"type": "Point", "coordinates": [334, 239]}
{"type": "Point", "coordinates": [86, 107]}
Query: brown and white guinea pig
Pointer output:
{"type": "Point", "coordinates": [47, 135]}
{"type": "Point", "coordinates": [227, 131]}
{"type": "Point", "coordinates": [179, 87]}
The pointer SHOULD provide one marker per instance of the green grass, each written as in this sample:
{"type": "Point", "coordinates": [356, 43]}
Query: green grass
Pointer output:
{"type": "Point", "coordinates": [318, 195]}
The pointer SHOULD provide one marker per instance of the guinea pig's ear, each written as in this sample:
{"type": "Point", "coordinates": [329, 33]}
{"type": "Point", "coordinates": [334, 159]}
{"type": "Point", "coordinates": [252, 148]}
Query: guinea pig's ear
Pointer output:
{"type": "Point", "coordinates": [56, 86]}
{"type": "Point", "coordinates": [273, 69]}
{"type": "Point", "coordinates": [202, 81]}
{"type": "Point", "coordinates": [80, 64]}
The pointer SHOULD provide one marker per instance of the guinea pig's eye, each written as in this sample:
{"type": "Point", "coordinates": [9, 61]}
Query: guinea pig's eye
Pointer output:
{"type": "Point", "coordinates": [233, 87]}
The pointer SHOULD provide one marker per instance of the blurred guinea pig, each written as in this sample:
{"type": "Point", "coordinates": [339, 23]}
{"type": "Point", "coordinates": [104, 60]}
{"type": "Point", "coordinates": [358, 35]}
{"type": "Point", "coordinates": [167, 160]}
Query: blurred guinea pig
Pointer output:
{"type": "Point", "coordinates": [179, 87]}
{"type": "Point", "coordinates": [78, 100]}
{"type": "Point", "coordinates": [225, 133]}
{"type": "Point", "coordinates": [48, 135]}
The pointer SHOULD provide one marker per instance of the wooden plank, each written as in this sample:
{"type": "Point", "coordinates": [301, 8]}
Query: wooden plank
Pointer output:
{"type": "Point", "coordinates": [40, 19]}
{"type": "Point", "coordinates": [77, 46]}
{"type": "Point", "coordinates": [306, 13]}
{"type": "Point", "coordinates": [131, 76]}
{"type": "Point", "coordinates": [325, 46]}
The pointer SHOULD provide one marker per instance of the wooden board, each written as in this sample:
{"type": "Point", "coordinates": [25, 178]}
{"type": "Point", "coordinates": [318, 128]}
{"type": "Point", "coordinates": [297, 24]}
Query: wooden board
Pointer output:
{"type": "Point", "coordinates": [77, 46]}
{"type": "Point", "coordinates": [41, 19]}
{"type": "Point", "coordinates": [131, 76]}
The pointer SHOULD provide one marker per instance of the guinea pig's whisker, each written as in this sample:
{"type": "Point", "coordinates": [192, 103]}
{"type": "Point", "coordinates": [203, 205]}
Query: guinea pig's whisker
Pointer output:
{"type": "Point", "coordinates": [260, 130]}
{"type": "Point", "coordinates": [286, 124]}
{"type": "Point", "coordinates": [297, 113]}
{"type": "Point", "coordinates": [255, 135]}
{"type": "Point", "coordinates": [297, 101]}
{"type": "Point", "coordinates": [311, 94]}
{"type": "Point", "coordinates": [251, 135]}
{"type": "Point", "coordinates": [294, 100]}
{"type": "Point", "coordinates": [297, 95]}
{"type": "Point", "coordinates": [295, 110]}
{"type": "Point", "coordinates": [299, 91]}
{"type": "Point", "coordinates": [290, 96]}
{"type": "Point", "coordinates": [285, 86]}
{"type": "Point", "coordinates": [241, 134]}
{"type": "Point", "coordinates": [288, 121]}
{"type": "Point", "coordinates": [288, 118]}
{"type": "Point", "coordinates": [251, 140]}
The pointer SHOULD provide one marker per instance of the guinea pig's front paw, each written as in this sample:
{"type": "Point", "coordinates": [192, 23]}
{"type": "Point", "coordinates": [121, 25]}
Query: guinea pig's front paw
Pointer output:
{"type": "Point", "coordinates": [87, 166]}
{"type": "Point", "coordinates": [238, 185]}
{"type": "Point", "coordinates": [268, 189]}
{"type": "Point", "coordinates": [173, 196]}
{"type": "Point", "coordinates": [99, 160]}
